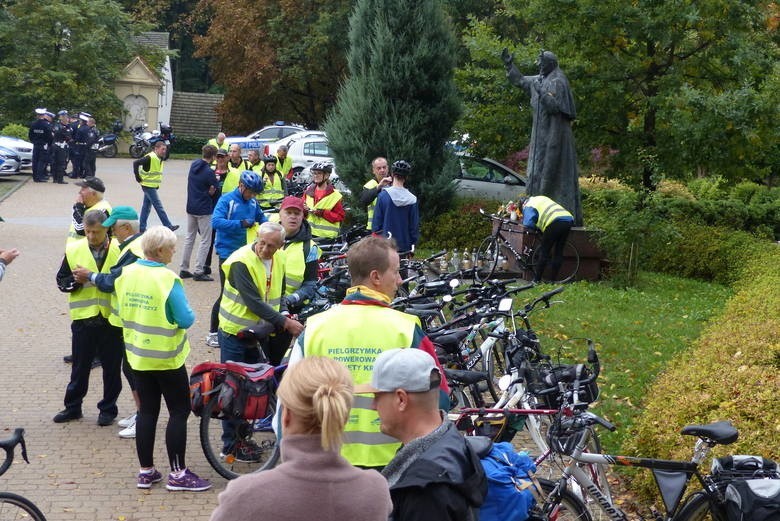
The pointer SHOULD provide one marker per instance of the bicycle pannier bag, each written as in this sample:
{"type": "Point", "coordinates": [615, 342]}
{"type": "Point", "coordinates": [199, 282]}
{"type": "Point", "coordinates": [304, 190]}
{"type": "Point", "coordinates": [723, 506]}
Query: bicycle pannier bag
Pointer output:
{"type": "Point", "coordinates": [753, 500]}
{"type": "Point", "coordinates": [204, 379]}
{"type": "Point", "coordinates": [245, 394]}
{"type": "Point", "coordinates": [509, 496]}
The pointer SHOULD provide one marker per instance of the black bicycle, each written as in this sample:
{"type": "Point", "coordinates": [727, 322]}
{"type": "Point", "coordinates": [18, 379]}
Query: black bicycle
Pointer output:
{"type": "Point", "coordinates": [14, 506]}
{"type": "Point", "coordinates": [496, 251]}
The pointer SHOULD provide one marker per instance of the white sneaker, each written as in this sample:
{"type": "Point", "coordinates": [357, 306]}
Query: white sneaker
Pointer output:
{"type": "Point", "coordinates": [127, 422]}
{"type": "Point", "coordinates": [128, 433]}
{"type": "Point", "coordinates": [212, 340]}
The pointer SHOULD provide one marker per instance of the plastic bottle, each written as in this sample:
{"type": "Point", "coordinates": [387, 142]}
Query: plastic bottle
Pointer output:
{"type": "Point", "coordinates": [455, 260]}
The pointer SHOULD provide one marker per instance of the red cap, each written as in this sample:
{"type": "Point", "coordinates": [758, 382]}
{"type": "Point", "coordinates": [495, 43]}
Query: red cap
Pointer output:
{"type": "Point", "coordinates": [292, 202]}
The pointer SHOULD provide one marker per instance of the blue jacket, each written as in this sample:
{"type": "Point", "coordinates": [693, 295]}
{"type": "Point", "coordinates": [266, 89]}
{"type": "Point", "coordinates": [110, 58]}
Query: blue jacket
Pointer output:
{"type": "Point", "coordinates": [231, 209]}
{"type": "Point", "coordinates": [396, 215]}
{"type": "Point", "coordinates": [200, 178]}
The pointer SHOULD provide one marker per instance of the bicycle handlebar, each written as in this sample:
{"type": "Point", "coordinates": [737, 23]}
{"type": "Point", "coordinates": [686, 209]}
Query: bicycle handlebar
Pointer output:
{"type": "Point", "coordinates": [9, 444]}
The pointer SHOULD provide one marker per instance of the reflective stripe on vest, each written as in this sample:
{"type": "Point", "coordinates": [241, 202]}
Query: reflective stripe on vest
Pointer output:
{"type": "Point", "coordinates": [152, 342]}
{"type": "Point", "coordinates": [273, 188]}
{"type": "Point", "coordinates": [547, 209]}
{"type": "Point", "coordinates": [234, 315]}
{"type": "Point", "coordinates": [355, 335]}
{"type": "Point", "coordinates": [153, 177]}
{"type": "Point", "coordinates": [233, 176]}
{"type": "Point", "coordinates": [370, 208]}
{"type": "Point", "coordinates": [295, 266]}
{"type": "Point", "coordinates": [89, 301]}
{"type": "Point", "coordinates": [135, 248]}
{"type": "Point", "coordinates": [100, 205]}
{"type": "Point", "coordinates": [320, 226]}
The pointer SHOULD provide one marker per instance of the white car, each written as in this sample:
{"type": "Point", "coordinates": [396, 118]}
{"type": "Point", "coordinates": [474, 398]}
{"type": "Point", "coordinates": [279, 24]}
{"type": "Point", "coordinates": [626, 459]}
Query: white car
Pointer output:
{"type": "Point", "coordinates": [487, 178]}
{"type": "Point", "coordinates": [259, 138]}
{"type": "Point", "coordinates": [10, 162]}
{"type": "Point", "coordinates": [23, 148]}
{"type": "Point", "coordinates": [307, 151]}
{"type": "Point", "coordinates": [300, 180]}
{"type": "Point", "coordinates": [271, 148]}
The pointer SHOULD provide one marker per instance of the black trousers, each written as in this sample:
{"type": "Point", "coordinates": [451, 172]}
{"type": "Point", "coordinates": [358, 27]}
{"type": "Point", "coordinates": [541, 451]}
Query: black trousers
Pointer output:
{"type": "Point", "coordinates": [40, 158]}
{"type": "Point", "coordinates": [553, 239]}
{"type": "Point", "coordinates": [60, 163]}
{"type": "Point", "coordinates": [88, 162]}
{"type": "Point", "coordinates": [174, 386]}
{"type": "Point", "coordinates": [93, 337]}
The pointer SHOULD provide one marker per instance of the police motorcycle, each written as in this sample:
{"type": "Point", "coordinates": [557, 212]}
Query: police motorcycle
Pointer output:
{"type": "Point", "coordinates": [106, 144]}
{"type": "Point", "coordinates": [167, 135]}
{"type": "Point", "coordinates": [141, 141]}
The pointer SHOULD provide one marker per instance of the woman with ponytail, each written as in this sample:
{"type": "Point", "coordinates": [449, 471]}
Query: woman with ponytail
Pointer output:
{"type": "Point", "coordinates": [313, 480]}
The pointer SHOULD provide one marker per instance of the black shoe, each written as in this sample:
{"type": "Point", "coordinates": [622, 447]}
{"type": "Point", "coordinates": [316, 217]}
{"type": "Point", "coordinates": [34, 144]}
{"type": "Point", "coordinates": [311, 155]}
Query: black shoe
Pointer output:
{"type": "Point", "coordinates": [96, 363]}
{"type": "Point", "coordinates": [61, 182]}
{"type": "Point", "coordinates": [105, 419]}
{"type": "Point", "coordinates": [174, 227]}
{"type": "Point", "coordinates": [202, 277]}
{"type": "Point", "coordinates": [67, 415]}
{"type": "Point", "coordinates": [184, 274]}
{"type": "Point", "coordinates": [68, 359]}
{"type": "Point", "coordinates": [207, 270]}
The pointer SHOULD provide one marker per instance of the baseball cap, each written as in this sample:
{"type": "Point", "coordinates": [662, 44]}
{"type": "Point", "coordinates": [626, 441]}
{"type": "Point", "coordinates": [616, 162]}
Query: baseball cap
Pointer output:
{"type": "Point", "coordinates": [408, 369]}
{"type": "Point", "coordinates": [292, 202]}
{"type": "Point", "coordinates": [120, 213]}
{"type": "Point", "coordinates": [94, 183]}
{"type": "Point", "coordinates": [222, 152]}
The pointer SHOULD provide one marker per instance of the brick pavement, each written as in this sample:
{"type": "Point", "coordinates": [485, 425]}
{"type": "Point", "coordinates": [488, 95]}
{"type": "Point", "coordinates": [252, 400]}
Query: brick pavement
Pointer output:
{"type": "Point", "coordinates": [80, 471]}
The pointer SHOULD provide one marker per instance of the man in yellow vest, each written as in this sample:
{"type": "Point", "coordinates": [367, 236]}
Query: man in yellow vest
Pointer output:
{"type": "Point", "coordinates": [255, 162]}
{"type": "Point", "coordinates": [283, 161]}
{"type": "Point", "coordinates": [323, 203]}
{"type": "Point", "coordinates": [252, 298]}
{"type": "Point", "coordinates": [555, 222]}
{"type": "Point", "coordinates": [91, 332]}
{"type": "Point", "coordinates": [301, 254]}
{"type": "Point", "coordinates": [220, 141]}
{"type": "Point", "coordinates": [235, 166]}
{"type": "Point", "coordinates": [371, 189]}
{"type": "Point", "coordinates": [148, 172]}
{"type": "Point", "coordinates": [90, 197]}
{"type": "Point", "coordinates": [356, 332]}
{"type": "Point", "coordinates": [274, 185]}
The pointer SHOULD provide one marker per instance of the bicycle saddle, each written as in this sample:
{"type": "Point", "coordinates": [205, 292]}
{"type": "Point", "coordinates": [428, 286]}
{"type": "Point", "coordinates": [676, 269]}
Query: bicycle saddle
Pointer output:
{"type": "Point", "coordinates": [465, 377]}
{"type": "Point", "coordinates": [422, 313]}
{"type": "Point", "coordinates": [722, 432]}
{"type": "Point", "coordinates": [449, 340]}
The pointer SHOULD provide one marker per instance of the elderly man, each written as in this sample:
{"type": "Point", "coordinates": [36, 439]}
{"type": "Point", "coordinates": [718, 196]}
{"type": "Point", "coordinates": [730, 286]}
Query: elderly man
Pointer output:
{"type": "Point", "coordinates": [283, 161]}
{"type": "Point", "coordinates": [220, 142]}
{"type": "Point", "coordinates": [301, 254]}
{"type": "Point", "coordinates": [255, 161]}
{"type": "Point", "coordinates": [148, 172]}
{"type": "Point", "coordinates": [434, 475]}
{"type": "Point", "coordinates": [90, 197]}
{"type": "Point", "coordinates": [356, 331]}
{"type": "Point", "coordinates": [323, 203]}
{"type": "Point", "coordinates": [235, 166]}
{"type": "Point", "coordinates": [92, 334]}
{"type": "Point", "coordinates": [373, 186]}
{"type": "Point", "coordinates": [123, 224]}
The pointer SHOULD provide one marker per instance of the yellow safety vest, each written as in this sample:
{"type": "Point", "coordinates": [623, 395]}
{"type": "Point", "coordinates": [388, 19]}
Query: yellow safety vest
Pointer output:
{"type": "Point", "coordinates": [295, 265]}
{"type": "Point", "coordinates": [152, 342]}
{"type": "Point", "coordinates": [258, 168]}
{"type": "Point", "coordinates": [233, 176]}
{"type": "Point", "coordinates": [100, 205]}
{"type": "Point", "coordinates": [355, 335]}
{"type": "Point", "coordinates": [548, 210]}
{"type": "Point", "coordinates": [224, 146]}
{"type": "Point", "coordinates": [273, 189]}
{"type": "Point", "coordinates": [153, 177]}
{"type": "Point", "coordinates": [135, 248]}
{"type": "Point", "coordinates": [89, 301]}
{"type": "Point", "coordinates": [370, 208]}
{"type": "Point", "coordinates": [234, 315]}
{"type": "Point", "coordinates": [284, 166]}
{"type": "Point", "coordinates": [320, 226]}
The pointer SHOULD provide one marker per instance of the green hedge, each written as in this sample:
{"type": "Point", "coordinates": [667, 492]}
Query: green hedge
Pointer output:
{"type": "Point", "coordinates": [188, 145]}
{"type": "Point", "coordinates": [732, 372]}
{"type": "Point", "coordinates": [461, 227]}
{"type": "Point", "coordinates": [15, 130]}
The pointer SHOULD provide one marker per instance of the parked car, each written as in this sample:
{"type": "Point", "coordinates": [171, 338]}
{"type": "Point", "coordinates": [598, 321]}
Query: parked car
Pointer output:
{"type": "Point", "coordinates": [271, 148]}
{"type": "Point", "coordinates": [487, 178]}
{"type": "Point", "coordinates": [300, 180]}
{"type": "Point", "coordinates": [21, 147]}
{"type": "Point", "coordinates": [10, 162]}
{"type": "Point", "coordinates": [258, 139]}
{"type": "Point", "coordinates": [307, 151]}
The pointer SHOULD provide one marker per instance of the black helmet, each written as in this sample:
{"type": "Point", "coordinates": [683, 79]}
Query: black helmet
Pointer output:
{"type": "Point", "coordinates": [166, 128]}
{"type": "Point", "coordinates": [402, 168]}
{"type": "Point", "coordinates": [251, 181]}
{"type": "Point", "coordinates": [322, 167]}
{"type": "Point", "coordinates": [269, 159]}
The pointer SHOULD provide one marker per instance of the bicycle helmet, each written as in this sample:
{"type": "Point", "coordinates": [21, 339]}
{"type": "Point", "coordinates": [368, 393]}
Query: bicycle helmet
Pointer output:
{"type": "Point", "coordinates": [322, 167]}
{"type": "Point", "coordinates": [269, 159]}
{"type": "Point", "coordinates": [251, 181]}
{"type": "Point", "coordinates": [402, 168]}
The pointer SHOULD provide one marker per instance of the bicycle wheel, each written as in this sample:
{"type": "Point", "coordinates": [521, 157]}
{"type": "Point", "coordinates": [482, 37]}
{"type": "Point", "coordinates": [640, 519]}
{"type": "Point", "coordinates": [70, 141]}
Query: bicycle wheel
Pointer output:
{"type": "Point", "coordinates": [495, 367]}
{"type": "Point", "coordinates": [487, 259]}
{"type": "Point", "coordinates": [698, 507]}
{"type": "Point", "coordinates": [571, 263]}
{"type": "Point", "coordinates": [256, 434]}
{"type": "Point", "coordinates": [458, 398]}
{"type": "Point", "coordinates": [598, 474]}
{"type": "Point", "coordinates": [566, 508]}
{"type": "Point", "coordinates": [14, 507]}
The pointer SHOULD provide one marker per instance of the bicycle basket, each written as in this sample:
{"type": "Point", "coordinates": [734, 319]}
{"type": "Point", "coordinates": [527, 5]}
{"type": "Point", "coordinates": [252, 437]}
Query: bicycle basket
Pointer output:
{"type": "Point", "coordinates": [729, 468]}
{"type": "Point", "coordinates": [543, 380]}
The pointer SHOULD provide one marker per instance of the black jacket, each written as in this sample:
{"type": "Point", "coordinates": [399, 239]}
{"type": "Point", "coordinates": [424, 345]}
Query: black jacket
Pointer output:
{"type": "Point", "coordinates": [444, 484]}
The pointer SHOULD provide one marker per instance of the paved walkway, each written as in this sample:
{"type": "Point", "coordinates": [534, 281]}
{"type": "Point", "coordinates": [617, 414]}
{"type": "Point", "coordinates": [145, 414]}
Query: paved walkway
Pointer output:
{"type": "Point", "coordinates": [78, 470]}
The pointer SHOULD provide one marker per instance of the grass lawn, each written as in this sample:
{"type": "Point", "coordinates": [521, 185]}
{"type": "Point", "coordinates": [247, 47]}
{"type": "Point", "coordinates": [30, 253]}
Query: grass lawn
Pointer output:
{"type": "Point", "coordinates": [9, 183]}
{"type": "Point", "coordinates": [636, 331]}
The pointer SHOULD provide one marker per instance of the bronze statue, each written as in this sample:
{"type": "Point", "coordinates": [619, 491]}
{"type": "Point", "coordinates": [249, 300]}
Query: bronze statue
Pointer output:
{"type": "Point", "coordinates": [552, 158]}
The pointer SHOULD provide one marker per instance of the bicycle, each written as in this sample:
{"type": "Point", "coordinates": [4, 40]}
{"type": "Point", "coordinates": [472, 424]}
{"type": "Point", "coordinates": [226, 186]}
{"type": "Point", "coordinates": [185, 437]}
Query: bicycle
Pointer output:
{"type": "Point", "coordinates": [14, 506]}
{"type": "Point", "coordinates": [497, 245]}
{"type": "Point", "coordinates": [569, 437]}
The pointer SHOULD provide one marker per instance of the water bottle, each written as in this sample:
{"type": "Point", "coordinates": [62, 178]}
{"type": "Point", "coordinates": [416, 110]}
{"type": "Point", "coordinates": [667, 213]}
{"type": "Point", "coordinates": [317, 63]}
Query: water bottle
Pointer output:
{"type": "Point", "coordinates": [455, 261]}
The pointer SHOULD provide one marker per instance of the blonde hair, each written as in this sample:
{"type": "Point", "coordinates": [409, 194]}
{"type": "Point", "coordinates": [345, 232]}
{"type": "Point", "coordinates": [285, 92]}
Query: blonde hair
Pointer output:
{"type": "Point", "coordinates": [318, 391]}
{"type": "Point", "coordinates": [155, 238]}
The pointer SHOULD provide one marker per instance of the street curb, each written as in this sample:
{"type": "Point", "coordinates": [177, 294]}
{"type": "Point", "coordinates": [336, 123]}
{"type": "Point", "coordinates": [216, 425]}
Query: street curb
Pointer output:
{"type": "Point", "coordinates": [10, 192]}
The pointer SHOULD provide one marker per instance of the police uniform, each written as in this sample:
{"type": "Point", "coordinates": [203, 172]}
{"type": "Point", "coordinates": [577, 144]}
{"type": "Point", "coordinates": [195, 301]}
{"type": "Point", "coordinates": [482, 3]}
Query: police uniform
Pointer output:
{"type": "Point", "coordinates": [80, 149]}
{"type": "Point", "coordinates": [92, 136]}
{"type": "Point", "coordinates": [40, 136]}
{"type": "Point", "coordinates": [63, 134]}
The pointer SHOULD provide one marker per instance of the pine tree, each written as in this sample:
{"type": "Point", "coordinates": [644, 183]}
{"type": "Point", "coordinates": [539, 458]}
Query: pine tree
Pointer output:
{"type": "Point", "coordinates": [399, 99]}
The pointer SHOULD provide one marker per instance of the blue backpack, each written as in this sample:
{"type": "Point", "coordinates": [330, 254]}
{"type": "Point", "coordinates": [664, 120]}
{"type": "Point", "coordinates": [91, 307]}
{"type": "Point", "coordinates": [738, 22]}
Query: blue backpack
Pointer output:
{"type": "Point", "coordinates": [509, 496]}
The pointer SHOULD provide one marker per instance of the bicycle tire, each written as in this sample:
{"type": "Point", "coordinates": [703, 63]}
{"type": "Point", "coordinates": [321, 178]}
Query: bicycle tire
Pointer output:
{"type": "Point", "coordinates": [458, 398]}
{"type": "Point", "coordinates": [598, 474]}
{"type": "Point", "coordinates": [487, 259]}
{"type": "Point", "coordinates": [495, 367]}
{"type": "Point", "coordinates": [212, 444]}
{"type": "Point", "coordinates": [569, 268]}
{"type": "Point", "coordinates": [698, 507]}
{"type": "Point", "coordinates": [567, 508]}
{"type": "Point", "coordinates": [13, 506]}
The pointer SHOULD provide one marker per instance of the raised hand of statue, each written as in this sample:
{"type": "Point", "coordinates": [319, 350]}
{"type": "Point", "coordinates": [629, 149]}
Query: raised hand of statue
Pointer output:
{"type": "Point", "coordinates": [507, 58]}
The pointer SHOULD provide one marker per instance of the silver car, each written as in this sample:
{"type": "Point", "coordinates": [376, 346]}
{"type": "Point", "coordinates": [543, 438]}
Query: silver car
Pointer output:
{"type": "Point", "coordinates": [486, 178]}
{"type": "Point", "coordinates": [10, 162]}
{"type": "Point", "coordinates": [22, 148]}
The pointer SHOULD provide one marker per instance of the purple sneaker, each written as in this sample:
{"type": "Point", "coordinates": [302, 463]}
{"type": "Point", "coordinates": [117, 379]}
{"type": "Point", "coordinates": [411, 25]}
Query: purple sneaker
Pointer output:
{"type": "Point", "coordinates": [146, 480]}
{"type": "Point", "coordinates": [188, 481]}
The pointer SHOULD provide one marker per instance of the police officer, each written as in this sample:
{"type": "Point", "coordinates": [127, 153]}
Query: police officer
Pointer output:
{"type": "Point", "coordinates": [40, 136]}
{"type": "Point", "coordinates": [79, 151]}
{"type": "Point", "coordinates": [73, 124]}
{"type": "Point", "coordinates": [63, 134]}
{"type": "Point", "coordinates": [92, 136]}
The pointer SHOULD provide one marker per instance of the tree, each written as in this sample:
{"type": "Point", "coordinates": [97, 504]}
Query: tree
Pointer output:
{"type": "Point", "coordinates": [275, 59]}
{"type": "Point", "coordinates": [399, 100]}
{"type": "Point", "coordinates": [69, 60]}
{"type": "Point", "coordinates": [649, 74]}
